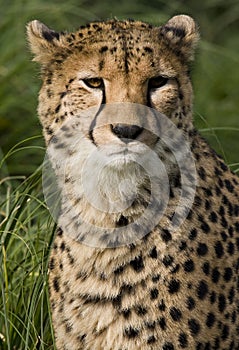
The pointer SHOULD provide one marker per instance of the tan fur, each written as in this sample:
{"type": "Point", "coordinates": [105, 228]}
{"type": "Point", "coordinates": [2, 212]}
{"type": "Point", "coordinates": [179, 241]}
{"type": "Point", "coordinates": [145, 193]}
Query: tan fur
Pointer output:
{"type": "Point", "coordinates": [168, 290]}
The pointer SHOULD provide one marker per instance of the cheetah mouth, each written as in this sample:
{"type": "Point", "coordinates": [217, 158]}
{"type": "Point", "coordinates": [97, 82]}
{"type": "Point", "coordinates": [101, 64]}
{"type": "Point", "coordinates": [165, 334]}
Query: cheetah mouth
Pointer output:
{"type": "Point", "coordinates": [128, 153]}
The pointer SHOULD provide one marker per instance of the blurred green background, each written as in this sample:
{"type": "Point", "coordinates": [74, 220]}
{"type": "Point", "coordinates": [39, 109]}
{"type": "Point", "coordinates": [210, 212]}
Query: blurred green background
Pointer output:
{"type": "Point", "coordinates": [215, 72]}
{"type": "Point", "coordinates": [27, 229]}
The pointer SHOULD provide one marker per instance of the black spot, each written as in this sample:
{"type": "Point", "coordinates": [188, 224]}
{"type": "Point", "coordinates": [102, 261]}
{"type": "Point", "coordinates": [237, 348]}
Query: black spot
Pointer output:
{"type": "Point", "coordinates": [227, 274]}
{"type": "Point", "coordinates": [194, 326]}
{"type": "Point", "coordinates": [148, 49]}
{"type": "Point", "coordinates": [190, 303]}
{"type": "Point", "coordinates": [155, 278]}
{"type": "Point", "coordinates": [49, 130]}
{"type": "Point", "coordinates": [62, 246]}
{"type": "Point", "coordinates": [81, 337]}
{"type": "Point", "coordinates": [202, 290]}
{"type": "Point", "coordinates": [205, 227]}
{"type": "Point", "coordinates": [225, 332]}
{"type": "Point", "coordinates": [217, 171]}
{"type": "Point", "coordinates": [56, 284]}
{"type": "Point", "coordinates": [193, 234]}
{"type": "Point", "coordinates": [230, 248]}
{"type": "Point", "coordinates": [175, 313]}
{"type": "Point", "coordinates": [137, 263]}
{"type": "Point", "coordinates": [221, 303]}
{"type": "Point", "coordinates": [119, 270]}
{"type": "Point", "coordinates": [71, 80]}
{"type": "Point", "coordinates": [210, 320]}
{"type": "Point", "coordinates": [188, 265]}
{"type": "Point", "coordinates": [57, 108]}
{"type": "Point", "coordinates": [62, 94]}
{"type": "Point", "coordinates": [202, 249]}
{"type": "Point", "coordinates": [174, 286]}
{"type": "Point", "coordinates": [215, 275]}
{"type": "Point", "coordinates": [132, 246]}
{"type": "Point", "coordinates": [219, 249]}
{"type": "Point", "coordinates": [183, 340]}
{"type": "Point", "coordinates": [103, 49]}
{"type": "Point", "coordinates": [213, 297]}
{"type": "Point", "coordinates": [213, 217]}
{"type": "Point", "coordinates": [207, 204]}
{"type": "Point", "coordinates": [140, 310]}
{"type": "Point", "coordinates": [236, 210]}
{"type": "Point", "coordinates": [126, 313]}
{"type": "Point", "coordinates": [230, 231]}
{"type": "Point", "coordinates": [224, 222]}
{"type": "Point", "coordinates": [123, 221]}
{"type": "Point", "coordinates": [162, 305]}
{"type": "Point", "coordinates": [218, 191]}
{"type": "Point", "coordinates": [220, 183]}
{"type": "Point", "coordinates": [167, 260]}
{"type": "Point", "coordinates": [207, 191]}
{"type": "Point", "coordinates": [151, 339]}
{"type": "Point", "coordinates": [230, 209]}
{"type": "Point", "coordinates": [116, 301]}
{"type": "Point", "coordinates": [224, 236]}
{"type": "Point", "coordinates": [175, 268]}
{"type": "Point", "coordinates": [183, 245]}
{"type": "Point", "coordinates": [231, 295]}
{"type": "Point", "coordinates": [198, 201]}
{"type": "Point", "coordinates": [154, 293]}
{"type": "Point", "coordinates": [52, 264]}
{"type": "Point", "coordinates": [166, 235]}
{"type": "Point", "coordinates": [153, 253]}
{"type": "Point", "coordinates": [168, 346]}
{"type": "Point", "coordinates": [222, 211]}
{"type": "Point", "coordinates": [202, 173]}
{"type": "Point", "coordinates": [162, 323]}
{"type": "Point", "coordinates": [131, 332]}
{"type": "Point", "coordinates": [71, 259]}
{"type": "Point", "coordinates": [229, 186]}
{"type": "Point", "coordinates": [206, 268]}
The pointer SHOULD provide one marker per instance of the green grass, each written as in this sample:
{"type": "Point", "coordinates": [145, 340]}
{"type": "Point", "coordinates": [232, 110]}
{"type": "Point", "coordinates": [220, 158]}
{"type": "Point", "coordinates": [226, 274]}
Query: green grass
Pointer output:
{"type": "Point", "coordinates": [26, 228]}
{"type": "Point", "coordinates": [26, 234]}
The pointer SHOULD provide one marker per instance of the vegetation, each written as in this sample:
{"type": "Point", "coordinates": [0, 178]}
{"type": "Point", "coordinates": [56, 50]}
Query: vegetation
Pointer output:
{"type": "Point", "coordinates": [26, 228]}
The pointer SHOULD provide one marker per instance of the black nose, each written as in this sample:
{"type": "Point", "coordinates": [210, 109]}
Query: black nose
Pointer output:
{"type": "Point", "coordinates": [126, 131]}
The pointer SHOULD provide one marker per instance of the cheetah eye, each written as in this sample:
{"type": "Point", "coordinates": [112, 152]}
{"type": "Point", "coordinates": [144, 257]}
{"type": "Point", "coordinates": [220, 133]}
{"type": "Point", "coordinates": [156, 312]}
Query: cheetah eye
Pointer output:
{"type": "Point", "coordinates": [157, 82]}
{"type": "Point", "coordinates": [94, 83]}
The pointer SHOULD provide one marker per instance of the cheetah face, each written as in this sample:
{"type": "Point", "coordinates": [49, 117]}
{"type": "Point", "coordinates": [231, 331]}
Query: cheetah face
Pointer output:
{"type": "Point", "coordinates": [112, 94]}
{"type": "Point", "coordinates": [115, 62]}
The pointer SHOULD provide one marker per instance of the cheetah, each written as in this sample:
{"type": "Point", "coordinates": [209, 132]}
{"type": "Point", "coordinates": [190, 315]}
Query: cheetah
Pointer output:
{"type": "Point", "coordinates": [159, 284]}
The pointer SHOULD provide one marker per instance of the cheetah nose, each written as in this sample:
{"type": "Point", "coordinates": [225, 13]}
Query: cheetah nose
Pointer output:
{"type": "Point", "coordinates": [126, 132]}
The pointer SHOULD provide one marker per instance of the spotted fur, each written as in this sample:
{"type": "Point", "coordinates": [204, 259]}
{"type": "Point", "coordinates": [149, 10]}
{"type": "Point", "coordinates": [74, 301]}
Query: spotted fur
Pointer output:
{"type": "Point", "coordinates": [168, 291]}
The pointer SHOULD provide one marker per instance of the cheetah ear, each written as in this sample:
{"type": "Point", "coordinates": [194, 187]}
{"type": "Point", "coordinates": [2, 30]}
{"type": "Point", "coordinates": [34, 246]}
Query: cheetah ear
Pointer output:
{"type": "Point", "coordinates": [181, 34]}
{"type": "Point", "coordinates": [43, 41]}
